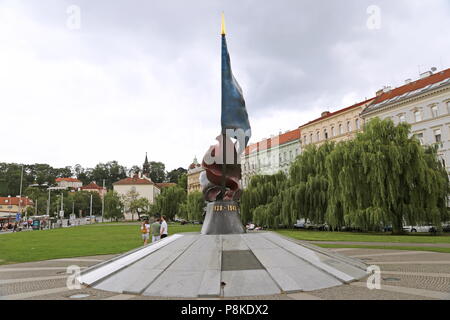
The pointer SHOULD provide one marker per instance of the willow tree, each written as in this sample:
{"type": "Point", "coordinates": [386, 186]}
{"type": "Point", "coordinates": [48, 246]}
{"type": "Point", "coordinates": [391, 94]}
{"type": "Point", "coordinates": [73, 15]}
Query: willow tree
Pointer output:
{"type": "Point", "coordinates": [307, 194]}
{"type": "Point", "coordinates": [192, 209]}
{"type": "Point", "coordinates": [168, 203]}
{"type": "Point", "coordinates": [384, 176]}
{"type": "Point", "coordinates": [261, 191]}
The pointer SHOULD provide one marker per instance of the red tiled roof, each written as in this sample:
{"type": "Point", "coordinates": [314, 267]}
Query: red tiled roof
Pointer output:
{"type": "Point", "coordinates": [273, 142]}
{"type": "Point", "coordinates": [67, 179]}
{"type": "Point", "coordinates": [331, 114]}
{"type": "Point", "coordinates": [133, 181]}
{"type": "Point", "coordinates": [415, 85]}
{"type": "Point", "coordinates": [14, 201]}
{"type": "Point", "coordinates": [92, 186]}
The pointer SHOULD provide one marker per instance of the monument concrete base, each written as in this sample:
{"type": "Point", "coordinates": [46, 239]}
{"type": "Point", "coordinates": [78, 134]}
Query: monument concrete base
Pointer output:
{"type": "Point", "coordinates": [235, 265]}
{"type": "Point", "coordinates": [222, 217]}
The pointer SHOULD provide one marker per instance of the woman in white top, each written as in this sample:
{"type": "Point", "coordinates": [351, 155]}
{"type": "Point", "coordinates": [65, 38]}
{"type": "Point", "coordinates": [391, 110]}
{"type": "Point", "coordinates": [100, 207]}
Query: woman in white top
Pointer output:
{"type": "Point", "coordinates": [164, 232]}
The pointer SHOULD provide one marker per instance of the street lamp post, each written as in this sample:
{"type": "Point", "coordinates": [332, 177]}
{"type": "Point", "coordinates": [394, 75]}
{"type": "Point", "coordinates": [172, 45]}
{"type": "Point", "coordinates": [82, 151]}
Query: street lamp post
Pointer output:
{"type": "Point", "coordinates": [90, 211]}
{"type": "Point", "coordinates": [103, 199]}
{"type": "Point", "coordinates": [48, 203]}
{"type": "Point", "coordinates": [20, 195]}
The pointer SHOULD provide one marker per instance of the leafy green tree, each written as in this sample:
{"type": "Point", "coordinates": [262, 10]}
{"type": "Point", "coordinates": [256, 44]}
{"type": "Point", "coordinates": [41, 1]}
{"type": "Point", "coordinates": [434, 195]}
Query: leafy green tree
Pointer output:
{"type": "Point", "coordinates": [384, 176]}
{"type": "Point", "coordinates": [168, 203]}
{"type": "Point", "coordinates": [261, 191]}
{"type": "Point", "coordinates": [129, 200]}
{"type": "Point", "coordinates": [192, 209]}
{"type": "Point", "coordinates": [157, 172]}
{"type": "Point", "coordinates": [175, 175]}
{"type": "Point", "coordinates": [110, 172]}
{"type": "Point", "coordinates": [140, 206]}
{"type": "Point", "coordinates": [113, 206]}
{"type": "Point", "coordinates": [182, 181]}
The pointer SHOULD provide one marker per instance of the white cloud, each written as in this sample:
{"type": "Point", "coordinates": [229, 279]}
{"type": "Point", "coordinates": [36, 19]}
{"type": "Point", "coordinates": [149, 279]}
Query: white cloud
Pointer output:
{"type": "Point", "coordinates": [145, 76]}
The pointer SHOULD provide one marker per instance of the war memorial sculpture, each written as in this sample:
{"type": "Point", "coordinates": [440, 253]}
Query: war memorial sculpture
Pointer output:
{"type": "Point", "coordinates": [223, 260]}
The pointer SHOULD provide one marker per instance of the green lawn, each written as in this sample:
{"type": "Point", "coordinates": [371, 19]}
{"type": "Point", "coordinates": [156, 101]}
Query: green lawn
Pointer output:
{"type": "Point", "coordinates": [80, 241]}
{"type": "Point", "coordinates": [363, 237]}
{"type": "Point", "coordinates": [98, 239]}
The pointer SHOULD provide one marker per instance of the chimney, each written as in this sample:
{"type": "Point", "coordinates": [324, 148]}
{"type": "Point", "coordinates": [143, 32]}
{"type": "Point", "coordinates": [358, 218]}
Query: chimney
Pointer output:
{"type": "Point", "coordinates": [425, 74]}
{"type": "Point", "coordinates": [379, 92]}
{"type": "Point", "coordinates": [325, 113]}
{"type": "Point", "coordinates": [387, 89]}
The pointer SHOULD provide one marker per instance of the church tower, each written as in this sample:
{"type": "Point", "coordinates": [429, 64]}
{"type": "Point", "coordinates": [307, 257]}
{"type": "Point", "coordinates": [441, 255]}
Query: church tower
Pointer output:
{"type": "Point", "coordinates": [146, 167]}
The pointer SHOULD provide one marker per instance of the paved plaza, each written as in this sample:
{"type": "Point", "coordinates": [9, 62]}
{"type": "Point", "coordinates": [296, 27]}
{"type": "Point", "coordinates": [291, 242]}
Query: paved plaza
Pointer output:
{"type": "Point", "coordinates": [406, 275]}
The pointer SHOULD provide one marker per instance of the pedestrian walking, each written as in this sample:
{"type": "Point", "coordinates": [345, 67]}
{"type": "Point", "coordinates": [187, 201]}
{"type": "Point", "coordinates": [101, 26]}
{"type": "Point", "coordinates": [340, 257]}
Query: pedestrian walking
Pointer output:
{"type": "Point", "coordinates": [145, 231]}
{"type": "Point", "coordinates": [164, 232]}
{"type": "Point", "coordinates": [156, 230]}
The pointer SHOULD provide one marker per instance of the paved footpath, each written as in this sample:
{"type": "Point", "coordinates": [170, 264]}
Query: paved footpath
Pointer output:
{"type": "Point", "coordinates": [390, 244]}
{"type": "Point", "coordinates": [406, 275]}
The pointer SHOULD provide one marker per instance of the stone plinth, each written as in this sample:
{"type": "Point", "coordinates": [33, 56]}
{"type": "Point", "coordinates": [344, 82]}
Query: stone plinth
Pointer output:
{"type": "Point", "coordinates": [222, 217]}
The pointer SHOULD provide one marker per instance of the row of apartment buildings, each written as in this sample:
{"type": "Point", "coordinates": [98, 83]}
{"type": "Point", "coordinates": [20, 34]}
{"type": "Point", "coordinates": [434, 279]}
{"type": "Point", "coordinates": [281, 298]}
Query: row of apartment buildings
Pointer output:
{"type": "Point", "coordinates": [424, 104]}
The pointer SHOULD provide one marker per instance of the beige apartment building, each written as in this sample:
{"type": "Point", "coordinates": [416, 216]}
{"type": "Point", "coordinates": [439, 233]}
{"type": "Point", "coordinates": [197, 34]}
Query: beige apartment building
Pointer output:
{"type": "Point", "coordinates": [193, 176]}
{"type": "Point", "coordinates": [424, 104]}
{"type": "Point", "coordinates": [335, 126]}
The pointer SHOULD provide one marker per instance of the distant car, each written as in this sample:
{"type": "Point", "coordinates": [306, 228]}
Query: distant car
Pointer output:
{"type": "Point", "coordinates": [250, 226]}
{"type": "Point", "coordinates": [299, 225]}
{"type": "Point", "coordinates": [446, 227]}
{"type": "Point", "coordinates": [387, 229]}
{"type": "Point", "coordinates": [422, 229]}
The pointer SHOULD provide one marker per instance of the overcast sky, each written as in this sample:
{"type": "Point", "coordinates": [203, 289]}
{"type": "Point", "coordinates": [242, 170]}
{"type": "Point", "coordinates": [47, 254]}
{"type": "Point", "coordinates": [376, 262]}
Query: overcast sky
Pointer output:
{"type": "Point", "coordinates": [142, 76]}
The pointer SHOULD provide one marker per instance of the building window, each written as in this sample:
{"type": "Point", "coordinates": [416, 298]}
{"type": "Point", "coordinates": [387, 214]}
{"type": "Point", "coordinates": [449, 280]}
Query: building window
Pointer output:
{"type": "Point", "coordinates": [290, 155]}
{"type": "Point", "coordinates": [305, 141]}
{"type": "Point", "coordinates": [448, 106]}
{"type": "Point", "coordinates": [358, 125]}
{"type": "Point", "coordinates": [418, 116]}
{"type": "Point", "coordinates": [318, 136]}
{"type": "Point", "coordinates": [434, 111]}
{"type": "Point", "coordinates": [325, 134]}
{"type": "Point", "coordinates": [402, 118]}
{"type": "Point", "coordinates": [311, 138]}
{"type": "Point", "coordinates": [332, 132]}
{"type": "Point", "coordinates": [349, 127]}
{"type": "Point", "coordinates": [419, 136]}
{"type": "Point", "coordinates": [437, 135]}
{"type": "Point", "coordinates": [340, 129]}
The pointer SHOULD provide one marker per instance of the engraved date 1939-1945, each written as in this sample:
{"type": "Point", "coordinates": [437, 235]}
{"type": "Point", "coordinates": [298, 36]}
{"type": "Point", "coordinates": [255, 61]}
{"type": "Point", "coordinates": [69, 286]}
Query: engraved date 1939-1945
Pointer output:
{"type": "Point", "coordinates": [229, 207]}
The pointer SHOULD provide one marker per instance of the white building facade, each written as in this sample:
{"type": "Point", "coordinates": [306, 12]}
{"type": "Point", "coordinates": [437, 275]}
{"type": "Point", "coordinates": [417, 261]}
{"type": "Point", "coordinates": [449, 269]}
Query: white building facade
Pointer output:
{"type": "Point", "coordinates": [270, 156]}
{"type": "Point", "coordinates": [144, 186]}
{"type": "Point", "coordinates": [424, 104]}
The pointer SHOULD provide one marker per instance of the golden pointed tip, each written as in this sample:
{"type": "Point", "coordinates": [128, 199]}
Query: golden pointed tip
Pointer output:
{"type": "Point", "coordinates": [224, 30]}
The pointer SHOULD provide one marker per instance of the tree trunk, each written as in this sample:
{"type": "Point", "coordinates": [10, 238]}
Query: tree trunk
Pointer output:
{"type": "Point", "coordinates": [397, 226]}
